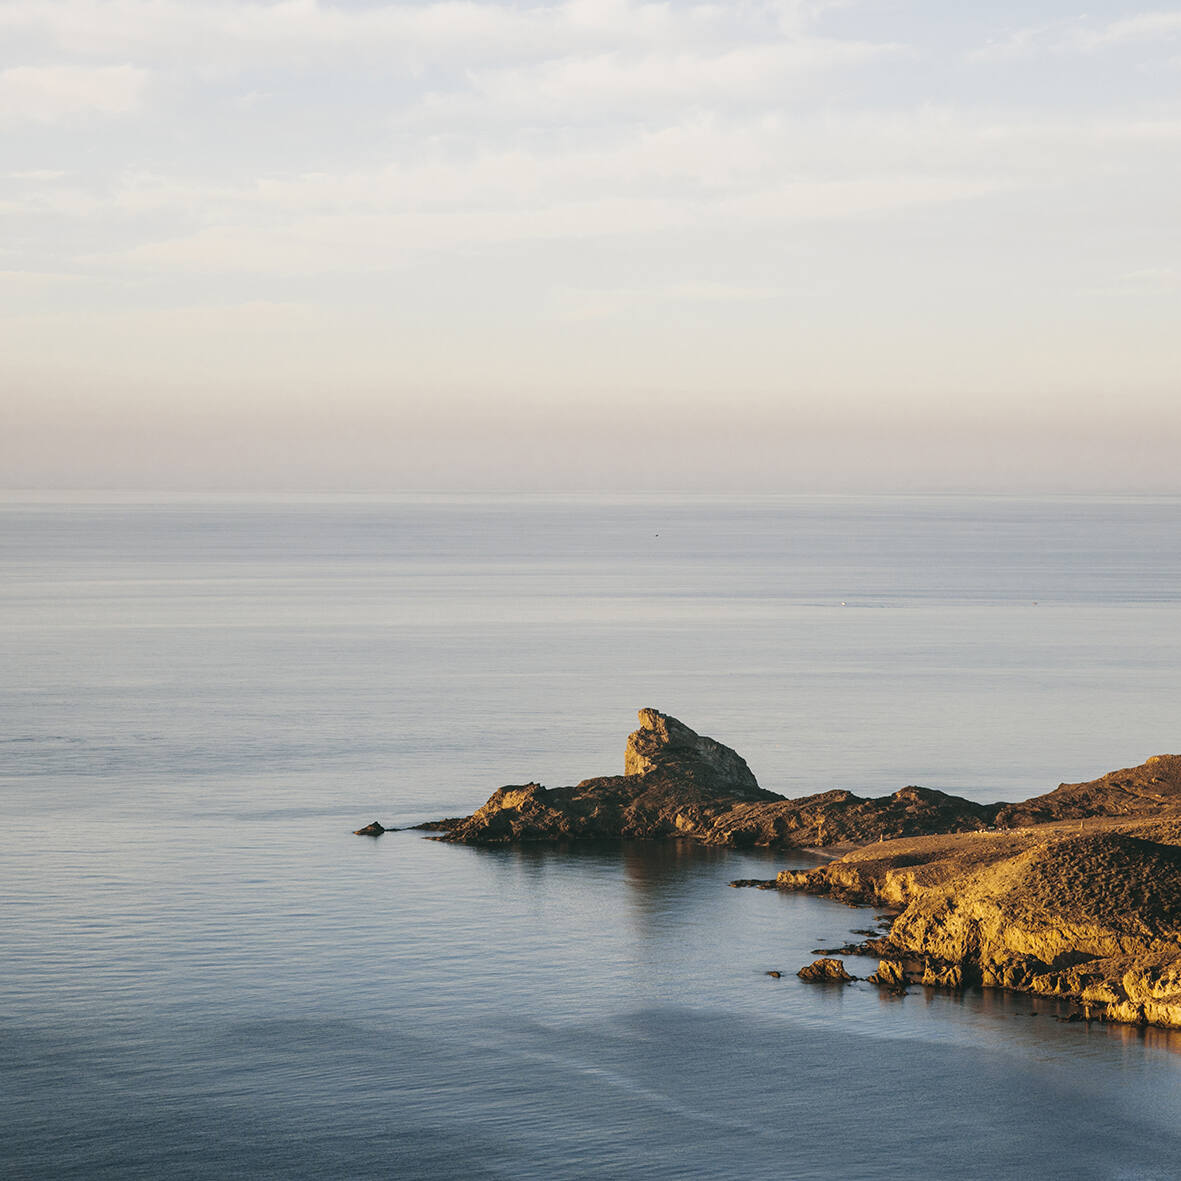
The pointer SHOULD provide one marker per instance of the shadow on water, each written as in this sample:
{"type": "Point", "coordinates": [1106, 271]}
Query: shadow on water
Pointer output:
{"type": "Point", "coordinates": [647, 864]}
{"type": "Point", "coordinates": [676, 891]}
{"type": "Point", "coordinates": [657, 874]}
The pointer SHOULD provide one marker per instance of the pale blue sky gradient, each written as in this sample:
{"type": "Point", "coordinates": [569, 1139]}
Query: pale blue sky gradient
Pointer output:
{"type": "Point", "coordinates": [598, 244]}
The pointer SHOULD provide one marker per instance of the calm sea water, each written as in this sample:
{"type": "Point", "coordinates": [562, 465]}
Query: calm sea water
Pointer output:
{"type": "Point", "coordinates": [204, 974]}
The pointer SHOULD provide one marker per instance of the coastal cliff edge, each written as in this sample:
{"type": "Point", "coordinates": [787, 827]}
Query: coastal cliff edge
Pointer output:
{"type": "Point", "coordinates": [1074, 894]}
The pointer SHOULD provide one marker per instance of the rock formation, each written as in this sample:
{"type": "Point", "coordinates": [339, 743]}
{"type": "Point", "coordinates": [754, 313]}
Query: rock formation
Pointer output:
{"type": "Point", "coordinates": [1075, 894]}
{"type": "Point", "coordinates": [826, 969]}
{"type": "Point", "coordinates": [1094, 916]}
{"type": "Point", "coordinates": [678, 783]}
{"type": "Point", "coordinates": [373, 829]}
{"type": "Point", "coordinates": [675, 780]}
{"type": "Point", "coordinates": [841, 818]}
{"type": "Point", "coordinates": [667, 748]}
{"type": "Point", "coordinates": [1132, 791]}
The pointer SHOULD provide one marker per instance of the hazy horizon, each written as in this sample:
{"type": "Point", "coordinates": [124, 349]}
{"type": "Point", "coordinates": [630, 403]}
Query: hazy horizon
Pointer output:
{"type": "Point", "coordinates": [826, 246]}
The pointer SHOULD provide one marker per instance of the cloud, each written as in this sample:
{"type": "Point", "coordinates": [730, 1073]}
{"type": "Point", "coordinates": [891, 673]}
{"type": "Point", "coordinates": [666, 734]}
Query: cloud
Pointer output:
{"type": "Point", "coordinates": [597, 88]}
{"type": "Point", "coordinates": [50, 94]}
{"type": "Point", "coordinates": [576, 304]}
{"type": "Point", "coordinates": [1081, 35]}
{"type": "Point", "coordinates": [1021, 43]}
{"type": "Point", "coordinates": [1153, 277]}
{"type": "Point", "coordinates": [1150, 27]}
{"type": "Point", "coordinates": [300, 32]}
{"type": "Point", "coordinates": [764, 199]}
{"type": "Point", "coordinates": [742, 177]}
{"type": "Point", "coordinates": [362, 242]}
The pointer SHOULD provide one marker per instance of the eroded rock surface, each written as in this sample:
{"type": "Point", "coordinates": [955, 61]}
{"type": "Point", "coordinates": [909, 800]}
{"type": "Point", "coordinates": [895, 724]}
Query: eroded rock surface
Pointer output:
{"type": "Point", "coordinates": [1094, 915]}
{"type": "Point", "coordinates": [373, 829]}
{"type": "Point", "coordinates": [1145, 789]}
{"type": "Point", "coordinates": [841, 818]}
{"type": "Point", "coordinates": [675, 782]}
{"type": "Point", "coordinates": [678, 783]}
{"type": "Point", "coordinates": [1075, 894]}
{"type": "Point", "coordinates": [665, 747]}
{"type": "Point", "coordinates": [826, 969]}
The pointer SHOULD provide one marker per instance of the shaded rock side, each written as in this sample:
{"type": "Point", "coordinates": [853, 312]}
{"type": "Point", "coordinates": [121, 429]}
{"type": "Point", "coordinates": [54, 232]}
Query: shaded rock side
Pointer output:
{"type": "Point", "coordinates": [1095, 917]}
{"type": "Point", "coordinates": [1153, 786]}
{"type": "Point", "coordinates": [676, 781]}
{"type": "Point", "coordinates": [841, 818]}
{"type": "Point", "coordinates": [682, 784]}
{"type": "Point", "coordinates": [826, 969]}
{"type": "Point", "coordinates": [373, 829]}
{"type": "Point", "coordinates": [663, 746]}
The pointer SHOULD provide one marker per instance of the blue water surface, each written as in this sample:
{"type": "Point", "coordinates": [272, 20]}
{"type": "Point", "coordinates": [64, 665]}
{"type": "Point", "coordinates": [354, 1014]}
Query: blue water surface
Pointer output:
{"type": "Point", "coordinates": [204, 973]}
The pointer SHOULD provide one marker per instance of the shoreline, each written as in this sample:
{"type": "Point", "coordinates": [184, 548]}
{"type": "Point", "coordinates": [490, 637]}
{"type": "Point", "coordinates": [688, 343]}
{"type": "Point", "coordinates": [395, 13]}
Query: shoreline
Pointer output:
{"type": "Point", "coordinates": [1074, 894]}
{"type": "Point", "coordinates": [1083, 911]}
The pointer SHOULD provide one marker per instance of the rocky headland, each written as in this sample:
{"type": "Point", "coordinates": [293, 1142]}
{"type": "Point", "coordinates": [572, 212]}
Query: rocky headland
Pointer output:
{"type": "Point", "coordinates": [1089, 910]}
{"type": "Point", "coordinates": [1074, 894]}
{"type": "Point", "coordinates": [677, 783]}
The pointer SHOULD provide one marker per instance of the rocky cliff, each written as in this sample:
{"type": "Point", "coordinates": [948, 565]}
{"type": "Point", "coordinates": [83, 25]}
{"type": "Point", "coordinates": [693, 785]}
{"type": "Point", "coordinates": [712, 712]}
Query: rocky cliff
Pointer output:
{"type": "Point", "coordinates": [1133, 791]}
{"type": "Point", "coordinates": [1088, 911]}
{"type": "Point", "coordinates": [1075, 894]}
{"type": "Point", "coordinates": [678, 783]}
{"type": "Point", "coordinates": [675, 781]}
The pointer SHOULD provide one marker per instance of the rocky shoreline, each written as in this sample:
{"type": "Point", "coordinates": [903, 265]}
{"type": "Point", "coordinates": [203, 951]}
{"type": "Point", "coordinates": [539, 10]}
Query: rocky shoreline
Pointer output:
{"type": "Point", "coordinates": [1075, 894]}
{"type": "Point", "coordinates": [677, 783]}
{"type": "Point", "coordinates": [1084, 910]}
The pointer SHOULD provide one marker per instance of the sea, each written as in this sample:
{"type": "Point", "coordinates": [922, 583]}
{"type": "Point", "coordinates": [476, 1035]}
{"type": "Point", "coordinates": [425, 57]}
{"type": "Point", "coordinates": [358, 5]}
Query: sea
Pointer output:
{"type": "Point", "coordinates": [205, 974]}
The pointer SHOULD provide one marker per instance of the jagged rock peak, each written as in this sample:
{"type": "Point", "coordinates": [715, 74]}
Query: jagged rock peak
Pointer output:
{"type": "Point", "coordinates": [664, 745]}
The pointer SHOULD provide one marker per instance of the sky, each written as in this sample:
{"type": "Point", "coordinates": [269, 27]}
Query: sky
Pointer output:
{"type": "Point", "coordinates": [598, 245]}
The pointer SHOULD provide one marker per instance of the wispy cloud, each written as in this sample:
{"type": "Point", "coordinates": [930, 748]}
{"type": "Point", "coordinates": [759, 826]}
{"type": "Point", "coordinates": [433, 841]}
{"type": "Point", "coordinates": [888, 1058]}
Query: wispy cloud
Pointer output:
{"type": "Point", "coordinates": [1156, 276]}
{"type": "Point", "coordinates": [301, 32]}
{"type": "Point", "coordinates": [1145, 27]}
{"type": "Point", "coordinates": [616, 193]}
{"type": "Point", "coordinates": [1157, 30]}
{"type": "Point", "coordinates": [51, 94]}
{"type": "Point", "coordinates": [356, 241]}
{"type": "Point", "coordinates": [581, 304]}
{"type": "Point", "coordinates": [1015, 45]}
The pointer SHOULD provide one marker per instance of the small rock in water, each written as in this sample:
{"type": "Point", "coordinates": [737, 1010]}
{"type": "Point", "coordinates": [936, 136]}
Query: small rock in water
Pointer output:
{"type": "Point", "coordinates": [826, 969]}
{"type": "Point", "coordinates": [775, 975]}
{"type": "Point", "coordinates": [372, 830]}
